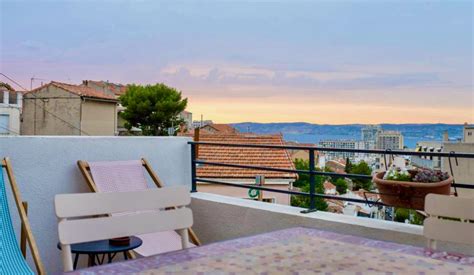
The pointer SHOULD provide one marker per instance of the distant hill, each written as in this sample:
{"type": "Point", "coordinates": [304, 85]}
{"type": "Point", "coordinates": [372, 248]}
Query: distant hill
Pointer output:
{"type": "Point", "coordinates": [313, 133]}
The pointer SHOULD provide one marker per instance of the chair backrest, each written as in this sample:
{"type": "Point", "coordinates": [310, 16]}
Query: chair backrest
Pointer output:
{"type": "Point", "coordinates": [11, 258]}
{"type": "Point", "coordinates": [109, 176]}
{"type": "Point", "coordinates": [146, 215]}
{"type": "Point", "coordinates": [104, 177]}
{"type": "Point", "coordinates": [449, 219]}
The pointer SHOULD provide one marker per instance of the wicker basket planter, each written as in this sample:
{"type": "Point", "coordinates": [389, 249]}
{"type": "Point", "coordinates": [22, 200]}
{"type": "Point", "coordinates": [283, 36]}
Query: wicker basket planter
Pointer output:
{"type": "Point", "coordinates": [409, 194]}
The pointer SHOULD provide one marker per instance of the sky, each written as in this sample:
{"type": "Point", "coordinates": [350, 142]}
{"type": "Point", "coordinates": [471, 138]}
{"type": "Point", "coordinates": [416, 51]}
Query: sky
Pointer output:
{"type": "Point", "coordinates": [327, 62]}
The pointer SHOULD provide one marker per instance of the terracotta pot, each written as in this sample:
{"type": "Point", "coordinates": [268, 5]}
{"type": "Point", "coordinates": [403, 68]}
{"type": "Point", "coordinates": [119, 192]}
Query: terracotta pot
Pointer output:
{"type": "Point", "coordinates": [122, 241]}
{"type": "Point", "coordinates": [409, 194]}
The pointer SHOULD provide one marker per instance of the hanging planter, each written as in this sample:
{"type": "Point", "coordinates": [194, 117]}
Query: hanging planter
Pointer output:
{"type": "Point", "coordinates": [408, 188]}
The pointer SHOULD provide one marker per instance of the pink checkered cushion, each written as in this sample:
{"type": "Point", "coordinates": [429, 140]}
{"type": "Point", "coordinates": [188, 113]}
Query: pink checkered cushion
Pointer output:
{"type": "Point", "coordinates": [123, 176]}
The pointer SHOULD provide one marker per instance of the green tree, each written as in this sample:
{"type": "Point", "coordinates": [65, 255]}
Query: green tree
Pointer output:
{"type": "Point", "coordinates": [413, 217]}
{"type": "Point", "coordinates": [341, 185]}
{"type": "Point", "coordinates": [303, 184]}
{"type": "Point", "coordinates": [348, 167]}
{"type": "Point", "coordinates": [152, 108]}
{"type": "Point", "coordinates": [362, 168]}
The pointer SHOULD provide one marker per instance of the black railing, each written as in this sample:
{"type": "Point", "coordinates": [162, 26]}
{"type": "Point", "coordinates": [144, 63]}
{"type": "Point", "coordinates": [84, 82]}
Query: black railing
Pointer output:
{"type": "Point", "coordinates": [311, 171]}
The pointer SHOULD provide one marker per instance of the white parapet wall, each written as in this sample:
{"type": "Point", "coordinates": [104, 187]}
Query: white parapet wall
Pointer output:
{"type": "Point", "coordinates": [46, 166]}
{"type": "Point", "coordinates": [219, 218]}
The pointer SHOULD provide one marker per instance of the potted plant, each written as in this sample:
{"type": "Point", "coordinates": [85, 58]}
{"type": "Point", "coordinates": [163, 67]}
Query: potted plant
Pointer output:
{"type": "Point", "coordinates": [408, 188]}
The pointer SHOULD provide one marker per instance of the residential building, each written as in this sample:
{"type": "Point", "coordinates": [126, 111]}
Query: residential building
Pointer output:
{"type": "Point", "coordinates": [468, 133]}
{"type": "Point", "coordinates": [201, 123]}
{"type": "Point", "coordinates": [336, 166]}
{"type": "Point", "coordinates": [341, 144]}
{"type": "Point", "coordinates": [66, 109]}
{"type": "Point", "coordinates": [214, 128]}
{"type": "Point", "coordinates": [462, 171]}
{"type": "Point", "coordinates": [279, 158]}
{"type": "Point", "coordinates": [369, 135]}
{"type": "Point", "coordinates": [427, 161]}
{"type": "Point", "coordinates": [10, 111]}
{"type": "Point", "coordinates": [329, 188]}
{"type": "Point", "coordinates": [115, 90]}
{"type": "Point", "coordinates": [362, 209]}
{"type": "Point", "coordinates": [106, 87]}
{"type": "Point", "coordinates": [390, 140]}
{"type": "Point", "coordinates": [302, 154]}
{"type": "Point", "coordinates": [188, 119]}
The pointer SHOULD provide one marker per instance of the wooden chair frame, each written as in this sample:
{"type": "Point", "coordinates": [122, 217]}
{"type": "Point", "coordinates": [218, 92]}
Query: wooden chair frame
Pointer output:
{"type": "Point", "coordinates": [22, 206]}
{"type": "Point", "coordinates": [85, 170]}
{"type": "Point", "coordinates": [449, 219]}
{"type": "Point", "coordinates": [77, 221]}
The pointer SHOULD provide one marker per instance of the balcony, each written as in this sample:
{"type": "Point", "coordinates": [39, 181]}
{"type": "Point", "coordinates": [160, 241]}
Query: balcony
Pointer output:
{"type": "Point", "coordinates": [46, 166]}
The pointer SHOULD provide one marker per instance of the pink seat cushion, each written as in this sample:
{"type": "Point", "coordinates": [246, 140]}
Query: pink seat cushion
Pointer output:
{"type": "Point", "coordinates": [123, 176]}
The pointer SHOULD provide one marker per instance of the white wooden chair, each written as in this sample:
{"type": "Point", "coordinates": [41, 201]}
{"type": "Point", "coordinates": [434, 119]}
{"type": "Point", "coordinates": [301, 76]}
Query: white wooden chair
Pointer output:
{"type": "Point", "coordinates": [449, 219]}
{"type": "Point", "coordinates": [77, 224]}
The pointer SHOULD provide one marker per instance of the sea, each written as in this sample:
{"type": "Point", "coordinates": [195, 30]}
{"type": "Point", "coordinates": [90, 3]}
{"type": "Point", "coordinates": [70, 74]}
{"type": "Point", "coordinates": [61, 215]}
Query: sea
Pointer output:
{"type": "Point", "coordinates": [313, 133]}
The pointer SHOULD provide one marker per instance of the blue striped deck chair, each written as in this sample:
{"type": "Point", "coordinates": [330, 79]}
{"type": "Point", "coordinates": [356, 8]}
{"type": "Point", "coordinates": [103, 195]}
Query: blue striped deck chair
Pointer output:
{"type": "Point", "coordinates": [13, 255]}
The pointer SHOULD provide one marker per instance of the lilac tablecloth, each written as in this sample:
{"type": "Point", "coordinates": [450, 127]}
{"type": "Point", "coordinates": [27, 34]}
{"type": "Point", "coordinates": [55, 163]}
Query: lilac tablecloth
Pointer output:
{"type": "Point", "coordinates": [296, 251]}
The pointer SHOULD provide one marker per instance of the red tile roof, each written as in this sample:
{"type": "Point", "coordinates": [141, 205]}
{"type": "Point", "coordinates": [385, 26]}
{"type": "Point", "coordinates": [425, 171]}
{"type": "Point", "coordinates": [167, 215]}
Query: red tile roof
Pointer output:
{"type": "Point", "coordinates": [221, 128]}
{"type": "Point", "coordinates": [336, 166]}
{"type": "Point", "coordinates": [328, 185]}
{"type": "Point", "coordinates": [116, 89]}
{"type": "Point", "coordinates": [77, 89]}
{"type": "Point", "coordinates": [370, 196]}
{"type": "Point", "coordinates": [275, 158]}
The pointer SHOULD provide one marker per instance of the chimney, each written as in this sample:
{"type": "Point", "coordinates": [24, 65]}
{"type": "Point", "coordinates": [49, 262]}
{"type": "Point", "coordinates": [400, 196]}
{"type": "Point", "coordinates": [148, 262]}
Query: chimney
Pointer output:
{"type": "Point", "coordinates": [445, 136]}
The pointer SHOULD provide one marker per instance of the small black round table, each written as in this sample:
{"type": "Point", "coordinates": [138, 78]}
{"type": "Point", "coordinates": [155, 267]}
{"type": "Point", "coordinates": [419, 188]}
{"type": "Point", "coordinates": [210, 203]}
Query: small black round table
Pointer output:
{"type": "Point", "coordinates": [97, 248]}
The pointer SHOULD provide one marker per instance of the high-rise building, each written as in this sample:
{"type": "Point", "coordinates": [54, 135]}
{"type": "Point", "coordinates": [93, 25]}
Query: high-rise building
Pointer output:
{"type": "Point", "coordinates": [369, 135]}
{"type": "Point", "coordinates": [341, 144]}
{"type": "Point", "coordinates": [389, 140]}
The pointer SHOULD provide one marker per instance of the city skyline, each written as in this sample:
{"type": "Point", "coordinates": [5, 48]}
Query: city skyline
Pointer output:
{"type": "Point", "coordinates": [319, 62]}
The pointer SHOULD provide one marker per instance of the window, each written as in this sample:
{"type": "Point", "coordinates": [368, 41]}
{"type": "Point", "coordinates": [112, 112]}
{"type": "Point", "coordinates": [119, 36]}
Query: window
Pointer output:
{"type": "Point", "coordinates": [4, 124]}
{"type": "Point", "coordinates": [469, 133]}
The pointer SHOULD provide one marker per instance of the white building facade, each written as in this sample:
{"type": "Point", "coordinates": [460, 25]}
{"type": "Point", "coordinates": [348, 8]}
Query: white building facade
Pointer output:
{"type": "Point", "coordinates": [10, 111]}
{"type": "Point", "coordinates": [341, 144]}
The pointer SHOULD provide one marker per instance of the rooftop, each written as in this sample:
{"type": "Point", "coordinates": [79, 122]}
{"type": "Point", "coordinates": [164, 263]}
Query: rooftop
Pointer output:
{"type": "Point", "coordinates": [79, 90]}
{"type": "Point", "coordinates": [278, 158]}
{"type": "Point", "coordinates": [109, 87]}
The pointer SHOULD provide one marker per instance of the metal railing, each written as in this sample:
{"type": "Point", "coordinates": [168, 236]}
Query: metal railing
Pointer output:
{"type": "Point", "coordinates": [311, 171]}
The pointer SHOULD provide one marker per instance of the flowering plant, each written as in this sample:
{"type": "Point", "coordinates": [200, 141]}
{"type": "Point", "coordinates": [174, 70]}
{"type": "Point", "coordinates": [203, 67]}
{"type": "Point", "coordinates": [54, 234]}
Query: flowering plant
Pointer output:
{"type": "Point", "coordinates": [397, 174]}
{"type": "Point", "coordinates": [424, 175]}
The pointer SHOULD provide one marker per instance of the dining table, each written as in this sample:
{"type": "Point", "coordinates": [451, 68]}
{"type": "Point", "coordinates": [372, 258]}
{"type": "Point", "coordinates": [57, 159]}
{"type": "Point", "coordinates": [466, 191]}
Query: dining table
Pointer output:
{"type": "Point", "coordinates": [298, 250]}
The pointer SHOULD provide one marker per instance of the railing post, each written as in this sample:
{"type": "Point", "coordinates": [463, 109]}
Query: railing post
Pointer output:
{"type": "Point", "coordinates": [260, 181]}
{"type": "Point", "coordinates": [193, 168]}
{"type": "Point", "coordinates": [312, 184]}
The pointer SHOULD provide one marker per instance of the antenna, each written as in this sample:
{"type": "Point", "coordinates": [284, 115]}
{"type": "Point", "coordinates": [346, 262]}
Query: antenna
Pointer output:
{"type": "Point", "coordinates": [33, 78]}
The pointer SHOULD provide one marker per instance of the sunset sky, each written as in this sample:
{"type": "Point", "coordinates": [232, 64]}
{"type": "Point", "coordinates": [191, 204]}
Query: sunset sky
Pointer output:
{"type": "Point", "coordinates": [333, 62]}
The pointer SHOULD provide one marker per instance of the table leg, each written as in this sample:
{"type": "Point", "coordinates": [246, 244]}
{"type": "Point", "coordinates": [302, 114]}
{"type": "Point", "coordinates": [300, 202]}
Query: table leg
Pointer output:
{"type": "Point", "coordinates": [111, 256]}
{"type": "Point", "coordinates": [125, 256]}
{"type": "Point", "coordinates": [76, 259]}
{"type": "Point", "coordinates": [91, 260]}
